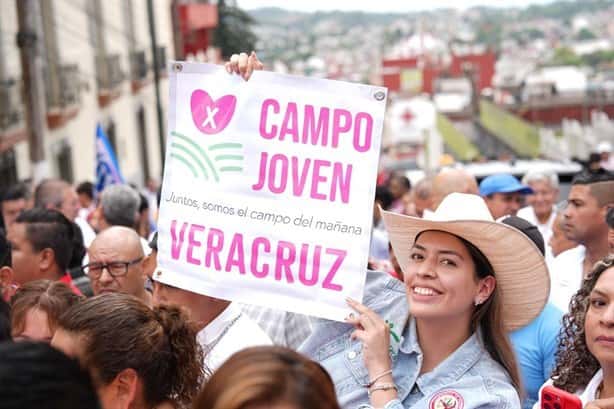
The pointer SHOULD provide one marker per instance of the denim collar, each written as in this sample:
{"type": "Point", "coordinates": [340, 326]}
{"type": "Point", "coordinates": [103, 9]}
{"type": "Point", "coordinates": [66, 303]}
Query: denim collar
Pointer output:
{"type": "Point", "coordinates": [448, 371]}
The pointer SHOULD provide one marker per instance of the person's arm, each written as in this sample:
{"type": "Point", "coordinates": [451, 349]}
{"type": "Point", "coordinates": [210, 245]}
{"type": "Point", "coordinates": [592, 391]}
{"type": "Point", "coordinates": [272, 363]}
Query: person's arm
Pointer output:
{"type": "Point", "coordinates": [374, 334]}
{"type": "Point", "coordinates": [600, 404]}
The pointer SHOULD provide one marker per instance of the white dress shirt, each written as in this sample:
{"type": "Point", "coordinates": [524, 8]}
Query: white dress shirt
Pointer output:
{"type": "Point", "coordinates": [229, 332]}
{"type": "Point", "coordinates": [566, 276]}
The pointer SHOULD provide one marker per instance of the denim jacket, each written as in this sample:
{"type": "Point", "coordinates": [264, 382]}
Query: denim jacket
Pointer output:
{"type": "Point", "coordinates": [467, 379]}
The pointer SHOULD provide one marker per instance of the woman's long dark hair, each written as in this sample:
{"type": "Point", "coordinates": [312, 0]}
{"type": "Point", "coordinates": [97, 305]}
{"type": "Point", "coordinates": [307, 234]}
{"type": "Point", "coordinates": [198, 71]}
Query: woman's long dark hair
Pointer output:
{"type": "Point", "coordinates": [575, 365]}
{"type": "Point", "coordinates": [488, 317]}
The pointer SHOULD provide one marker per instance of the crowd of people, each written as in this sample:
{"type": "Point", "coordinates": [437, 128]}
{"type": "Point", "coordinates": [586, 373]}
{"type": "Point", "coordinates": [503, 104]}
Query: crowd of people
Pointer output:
{"type": "Point", "coordinates": [477, 295]}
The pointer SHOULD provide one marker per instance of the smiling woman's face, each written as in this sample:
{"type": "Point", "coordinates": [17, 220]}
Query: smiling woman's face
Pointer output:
{"type": "Point", "coordinates": [599, 322]}
{"type": "Point", "coordinates": [440, 278]}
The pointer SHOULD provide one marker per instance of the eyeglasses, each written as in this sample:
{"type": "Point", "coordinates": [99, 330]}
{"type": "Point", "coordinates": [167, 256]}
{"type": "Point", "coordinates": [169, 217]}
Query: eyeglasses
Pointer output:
{"type": "Point", "coordinates": [115, 268]}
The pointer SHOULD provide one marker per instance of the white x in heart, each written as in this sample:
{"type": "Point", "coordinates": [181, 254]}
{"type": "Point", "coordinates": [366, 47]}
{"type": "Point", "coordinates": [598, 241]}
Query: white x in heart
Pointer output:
{"type": "Point", "coordinates": [210, 119]}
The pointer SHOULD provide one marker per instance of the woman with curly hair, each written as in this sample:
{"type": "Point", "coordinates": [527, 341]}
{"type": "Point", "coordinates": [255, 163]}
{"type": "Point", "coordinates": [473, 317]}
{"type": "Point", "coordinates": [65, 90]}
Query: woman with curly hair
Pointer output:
{"type": "Point", "coordinates": [585, 359]}
{"type": "Point", "coordinates": [139, 358]}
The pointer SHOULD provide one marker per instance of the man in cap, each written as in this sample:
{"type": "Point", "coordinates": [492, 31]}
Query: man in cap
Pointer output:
{"type": "Point", "coordinates": [503, 194]}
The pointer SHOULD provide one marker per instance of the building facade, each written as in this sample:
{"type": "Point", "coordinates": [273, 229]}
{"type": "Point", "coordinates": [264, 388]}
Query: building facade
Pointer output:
{"type": "Point", "coordinates": [98, 68]}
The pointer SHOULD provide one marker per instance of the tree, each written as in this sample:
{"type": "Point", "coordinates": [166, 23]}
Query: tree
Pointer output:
{"type": "Point", "coordinates": [585, 34]}
{"type": "Point", "coordinates": [233, 33]}
{"type": "Point", "coordinates": [565, 56]}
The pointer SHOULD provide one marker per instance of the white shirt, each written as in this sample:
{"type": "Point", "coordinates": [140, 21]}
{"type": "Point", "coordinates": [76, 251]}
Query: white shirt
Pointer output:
{"type": "Point", "coordinates": [587, 395]}
{"type": "Point", "coordinates": [229, 332]}
{"type": "Point", "coordinates": [566, 276]}
{"type": "Point", "coordinates": [545, 229]}
{"type": "Point", "coordinates": [86, 230]}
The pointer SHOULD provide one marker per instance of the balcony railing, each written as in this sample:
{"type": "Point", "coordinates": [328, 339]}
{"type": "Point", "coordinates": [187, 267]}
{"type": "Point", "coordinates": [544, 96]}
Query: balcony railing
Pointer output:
{"type": "Point", "coordinates": [11, 107]}
{"type": "Point", "coordinates": [138, 66]}
{"type": "Point", "coordinates": [109, 72]}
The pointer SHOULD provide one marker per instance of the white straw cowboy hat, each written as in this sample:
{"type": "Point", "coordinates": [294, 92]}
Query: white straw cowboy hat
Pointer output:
{"type": "Point", "coordinates": [520, 270]}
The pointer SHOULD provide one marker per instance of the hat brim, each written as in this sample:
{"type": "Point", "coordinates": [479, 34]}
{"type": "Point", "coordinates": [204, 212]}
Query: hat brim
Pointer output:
{"type": "Point", "coordinates": [523, 190]}
{"type": "Point", "coordinates": [520, 269]}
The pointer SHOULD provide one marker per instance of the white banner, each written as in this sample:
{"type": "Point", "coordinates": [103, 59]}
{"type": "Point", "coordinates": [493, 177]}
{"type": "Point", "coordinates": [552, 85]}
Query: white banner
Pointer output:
{"type": "Point", "coordinates": [268, 188]}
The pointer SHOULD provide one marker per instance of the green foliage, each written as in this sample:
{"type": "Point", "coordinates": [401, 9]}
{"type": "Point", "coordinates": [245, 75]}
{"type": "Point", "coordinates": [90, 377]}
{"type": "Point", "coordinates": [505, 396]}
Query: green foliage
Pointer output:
{"type": "Point", "coordinates": [599, 58]}
{"type": "Point", "coordinates": [565, 56]}
{"type": "Point", "coordinates": [458, 143]}
{"type": "Point", "coordinates": [585, 34]}
{"type": "Point", "coordinates": [233, 33]}
{"type": "Point", "coordinates": [516, 133]}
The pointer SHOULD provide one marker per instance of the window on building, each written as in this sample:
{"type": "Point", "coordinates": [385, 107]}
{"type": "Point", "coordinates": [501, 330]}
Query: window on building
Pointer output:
{"type": "Point", "coordinates": [64, 160]}
{"type": "Point", "coordinates": [8, 169]}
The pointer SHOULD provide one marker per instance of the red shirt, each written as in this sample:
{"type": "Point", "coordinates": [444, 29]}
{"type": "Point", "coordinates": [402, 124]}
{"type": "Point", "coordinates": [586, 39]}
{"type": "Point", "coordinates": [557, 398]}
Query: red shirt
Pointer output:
{"type": "Point", "coordinates": [66, 279]}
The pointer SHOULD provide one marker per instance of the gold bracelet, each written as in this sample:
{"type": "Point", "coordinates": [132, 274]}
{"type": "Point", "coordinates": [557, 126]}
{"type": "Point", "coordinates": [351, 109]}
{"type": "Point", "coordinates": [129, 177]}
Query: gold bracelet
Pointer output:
{"type": "Point", "coordinates": [381, 387]}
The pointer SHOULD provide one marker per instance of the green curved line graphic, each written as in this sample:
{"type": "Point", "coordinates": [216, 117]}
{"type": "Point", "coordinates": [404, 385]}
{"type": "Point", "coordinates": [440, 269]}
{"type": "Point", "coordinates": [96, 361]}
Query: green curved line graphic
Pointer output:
{"type": "Point", "coordinates": [228, 157]}
{"type": "Point", "coordinates": [193, 156]}
{"type": "Point", "coordinates": [185, 162]}
{"type": "Point", "coordinates": [200, 150]}
{"type": "Point", "coordinates": [231, 169]}
{"type": "Point", "coordinates": [228, 145]}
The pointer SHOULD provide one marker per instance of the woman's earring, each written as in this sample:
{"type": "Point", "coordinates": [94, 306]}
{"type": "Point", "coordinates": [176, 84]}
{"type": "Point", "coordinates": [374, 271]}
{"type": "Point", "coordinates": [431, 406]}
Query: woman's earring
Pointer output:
{"type": "Point", "coordinates": [477, 302]}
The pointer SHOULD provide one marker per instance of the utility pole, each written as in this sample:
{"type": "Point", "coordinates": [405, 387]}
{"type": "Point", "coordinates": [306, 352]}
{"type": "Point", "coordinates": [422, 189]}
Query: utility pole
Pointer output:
{"type": "Point", "coordinates": [156, 70]}
{"type": "Point", "coordinates": [29, 41]}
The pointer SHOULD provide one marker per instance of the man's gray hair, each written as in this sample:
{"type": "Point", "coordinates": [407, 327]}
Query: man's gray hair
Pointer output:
{"type": "Point", "coordinates": [541, 176]}
{"type": "Point", "coordinates": [120, 205]}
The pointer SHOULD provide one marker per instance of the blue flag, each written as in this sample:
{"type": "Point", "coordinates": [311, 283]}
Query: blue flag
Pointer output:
{"type": "Point", "coordinates": [107, 168]}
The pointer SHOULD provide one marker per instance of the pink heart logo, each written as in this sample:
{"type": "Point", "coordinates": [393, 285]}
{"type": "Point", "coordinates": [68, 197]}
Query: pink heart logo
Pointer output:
{"type": "Point", "coordinates": [210, 116]}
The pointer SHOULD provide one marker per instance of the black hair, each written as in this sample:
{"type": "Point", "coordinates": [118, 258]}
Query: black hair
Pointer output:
{"type": "Point", "coordinates": [5, 251]}
{"type": "Point", "coordinates": [383, 195]}
{"type": "Point", "coordinates": [144, 205]}
{"type": "Point", "coordinates": [46, 228]}
{"type": "Point", "coordinates": [403, 180]}
{"type": "Point", "coordinates": [609, 217]}
{"type": "Point", "coordinates": [86, 188]}
{"type": "Point", "coordinates": [78, 248]}
{"type": "Point", "coordinates": [528, 229]}
{"type": "Point", "coordinates": [15, 192]}
{"type": "Point", "coordinates": [5, 322]}
{"type": "Point", "coordinates": [588, 178]}
{"type": "Point", "coordinates": [35, 375]}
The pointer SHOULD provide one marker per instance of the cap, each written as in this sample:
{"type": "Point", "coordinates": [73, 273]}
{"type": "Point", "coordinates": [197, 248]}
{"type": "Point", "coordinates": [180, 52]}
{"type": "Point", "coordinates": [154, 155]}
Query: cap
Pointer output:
{"type": "Point", "coordinates": [503, 183]}
{"type": "Point", "coordinates": [529, 230]}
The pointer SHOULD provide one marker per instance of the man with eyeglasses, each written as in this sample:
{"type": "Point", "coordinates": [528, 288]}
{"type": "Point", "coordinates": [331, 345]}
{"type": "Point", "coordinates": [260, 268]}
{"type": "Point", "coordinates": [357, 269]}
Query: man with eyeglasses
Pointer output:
{"type": "Point", "coordinates": [116, 263]}
{"type": "Point", "coordinates": [503, 194]}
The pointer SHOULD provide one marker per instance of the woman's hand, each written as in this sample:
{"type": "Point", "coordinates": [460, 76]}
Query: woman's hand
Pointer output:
{"type": "Point", "coordinates": [374, 334]}
{"type": "Point", "coordinates": [600, 404]}
{"type": "Point", "coordinates": [243, 64]}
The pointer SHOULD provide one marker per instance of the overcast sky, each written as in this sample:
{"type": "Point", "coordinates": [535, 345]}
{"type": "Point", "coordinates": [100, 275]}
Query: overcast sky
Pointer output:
{"type": "Point", "coordinates": [382, 5]}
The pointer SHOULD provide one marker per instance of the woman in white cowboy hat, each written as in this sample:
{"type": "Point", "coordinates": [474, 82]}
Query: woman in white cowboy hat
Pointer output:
{"type": "Point", "coordinates": [468, 281]}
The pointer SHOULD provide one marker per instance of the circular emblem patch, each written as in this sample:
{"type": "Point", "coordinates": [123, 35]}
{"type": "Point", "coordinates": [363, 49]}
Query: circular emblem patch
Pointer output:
{"type": "Point", "coordinates": [447, 399]}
